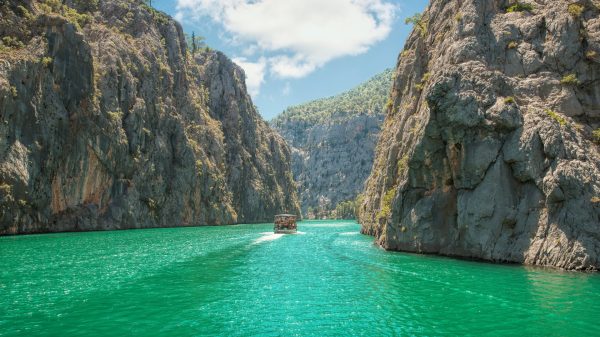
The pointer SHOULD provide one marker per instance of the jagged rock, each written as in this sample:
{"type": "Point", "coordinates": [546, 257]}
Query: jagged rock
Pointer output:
{"type": "Point", "coordinates": [333, 142]}
{"type": "Point", "coordinates": [488, 150]}
{"type": "Point", "coordinates": [109, 122]}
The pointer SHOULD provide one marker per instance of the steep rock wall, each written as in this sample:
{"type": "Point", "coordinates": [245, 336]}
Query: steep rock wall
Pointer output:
{"type": "Point", "coordinates": [489, 151]}
{"type": "Point", "coordinates": [331, 161]}
{"type": "Point", "coordinates": [109, 122]}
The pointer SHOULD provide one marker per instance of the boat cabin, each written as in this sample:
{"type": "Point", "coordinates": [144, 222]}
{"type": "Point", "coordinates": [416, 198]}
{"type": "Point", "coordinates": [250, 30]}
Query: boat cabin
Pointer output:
{"type": "Point", "coordinates": [285, 224]}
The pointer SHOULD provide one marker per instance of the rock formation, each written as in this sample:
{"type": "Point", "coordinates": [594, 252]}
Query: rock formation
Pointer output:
{"type": "Point", "coordinates": [490, 149]}
{"type": "Point", "coordinates": [108, 121]}
{"type": "Point", "coordinates": [333, 141]}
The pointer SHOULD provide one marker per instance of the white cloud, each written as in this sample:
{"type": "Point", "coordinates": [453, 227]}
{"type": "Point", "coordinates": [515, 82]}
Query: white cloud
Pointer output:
{"type": "Point", "coordinates": [255, 73]}
{"type": "Point", "coordinates": [291, 67]}
{"type": "Point", "coordinates": [298, 36]}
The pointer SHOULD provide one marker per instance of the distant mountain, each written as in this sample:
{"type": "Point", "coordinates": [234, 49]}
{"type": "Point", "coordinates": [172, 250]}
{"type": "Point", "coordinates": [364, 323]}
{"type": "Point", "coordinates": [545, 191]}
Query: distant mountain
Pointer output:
{"type": "Point", "coordinates": [367, 98]}
{"type": "Point", "coordinates": [333, 141]}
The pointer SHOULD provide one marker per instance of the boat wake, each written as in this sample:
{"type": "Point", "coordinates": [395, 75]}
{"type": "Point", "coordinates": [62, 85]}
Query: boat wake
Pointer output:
{"type": "Point", "coordinates": [268, 236]}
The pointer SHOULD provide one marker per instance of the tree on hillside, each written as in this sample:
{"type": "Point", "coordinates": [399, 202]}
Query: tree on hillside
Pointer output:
{"type": "Point", "coordinates": [419, 21]}
{"type": "Point", "coordinates": [196, 42]}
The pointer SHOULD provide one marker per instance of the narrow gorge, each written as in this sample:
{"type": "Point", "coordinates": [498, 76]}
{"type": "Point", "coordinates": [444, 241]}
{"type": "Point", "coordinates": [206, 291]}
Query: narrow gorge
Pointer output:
{"type": "Point", "coordinates": [333, 143]}
{"type": "Point", "coordinates": [490, 148]}
{"type": "Point", "coordinates": [110, 121]}
{"type": "Point", "coordinates": [160, 175]}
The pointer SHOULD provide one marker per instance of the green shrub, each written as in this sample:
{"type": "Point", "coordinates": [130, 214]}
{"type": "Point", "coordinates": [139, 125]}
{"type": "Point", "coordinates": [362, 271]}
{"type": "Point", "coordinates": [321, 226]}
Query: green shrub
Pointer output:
{"type": "Point", "coordinates": [14, 92]}
{"type": "Point", "coordinates": [509, 100]}
{"type": "Point", "coordinates": [88, 5]}
{"type": "Point", "coordinates": [25, 12]}
{"type": "Point", "coordinates": [386, 204]}
{"type": "Point", "coordinates": [159, 16]}
{"type": "Point", "coordinates": [519, 7]}
{"type": "Point", "coordinates": [12, 42]}
{"type": "Point", "coordinates": [418, 20]}
{"type": "Point", "coordinates": [591, 54]}
{"type": "Point", "coordinates": [199, 166]}
{"type": "Point", "coordinates": [115, 116]}
{"type": "Point", "coordinates": [570, 79]}
{"type": "Point", "coordinates": [420, 86]}
{"type": "Point", "coordinates": [402, 164]}
{"type": "Point", "coordinates": [596, 136]}
{"type": "Point", "coordinates": [554, 115]}
{"type": "Point", "coordinates": [575, 10]}
{"type": "Point", "coordinates": [512, 45]}
{"type": "Point", "coordinates": [389, 104]}
{"type": "Point", "coordinates": [46, 61]}
{"type": "Point", "coordinates": [5, 189]}
{"type": "Point", "coordinates": [79, 20]}
{"type": "Point", "coordinates": [458, 17]}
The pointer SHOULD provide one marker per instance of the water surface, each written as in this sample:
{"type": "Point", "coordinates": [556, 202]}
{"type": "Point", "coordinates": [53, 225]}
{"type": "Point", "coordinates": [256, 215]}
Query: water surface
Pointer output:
{"type": "Point", "coordinates": [245, 281]}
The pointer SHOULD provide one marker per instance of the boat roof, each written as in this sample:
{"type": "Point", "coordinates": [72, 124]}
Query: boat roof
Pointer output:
{"type": "Point", "coordinates": [286, 215]}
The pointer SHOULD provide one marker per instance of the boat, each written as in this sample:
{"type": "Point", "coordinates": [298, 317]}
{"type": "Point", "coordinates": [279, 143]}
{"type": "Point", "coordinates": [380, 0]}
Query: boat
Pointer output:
{"type": "Point", "coordinates": [285, 224]}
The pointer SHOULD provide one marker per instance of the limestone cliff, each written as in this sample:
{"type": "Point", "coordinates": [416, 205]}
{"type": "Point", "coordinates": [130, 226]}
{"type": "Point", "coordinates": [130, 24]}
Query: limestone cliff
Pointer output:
{"type": "Point", "coordinates": [490, 149]}
{"type": "Point", "coordinates": [333, 141]}
{"type": "Point", "coordinates": [108, 121]}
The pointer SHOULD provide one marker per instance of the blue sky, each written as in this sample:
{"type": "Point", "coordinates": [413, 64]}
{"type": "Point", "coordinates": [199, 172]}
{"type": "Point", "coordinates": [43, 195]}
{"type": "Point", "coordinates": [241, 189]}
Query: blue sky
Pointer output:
{"type": "Point", "coordinates": [294, 51]}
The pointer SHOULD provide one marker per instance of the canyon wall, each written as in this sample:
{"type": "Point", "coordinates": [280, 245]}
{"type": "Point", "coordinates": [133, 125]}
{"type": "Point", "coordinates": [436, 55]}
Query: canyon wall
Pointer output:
{"type": "Point", "coordinates": [490, 148]}
{"type": "Point", "coordinates": [109, 121]}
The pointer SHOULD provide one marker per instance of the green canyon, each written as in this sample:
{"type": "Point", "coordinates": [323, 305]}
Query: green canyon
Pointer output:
{"type": "Point", "coordinates": [470, 172]}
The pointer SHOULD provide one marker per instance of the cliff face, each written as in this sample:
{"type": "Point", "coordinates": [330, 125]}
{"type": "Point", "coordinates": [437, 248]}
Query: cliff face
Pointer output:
{"type": "Point", "coordinates": [109, 122]}
{"type": "Point", "coordinates": [490, 148]}
{"type": "Point", "coordinates": [333, 141]}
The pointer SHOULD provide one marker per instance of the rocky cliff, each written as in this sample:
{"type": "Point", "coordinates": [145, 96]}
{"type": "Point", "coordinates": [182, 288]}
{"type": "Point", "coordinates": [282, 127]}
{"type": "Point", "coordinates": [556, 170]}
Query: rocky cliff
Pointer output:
{"type": "Point", "coordinates": [490, 148]}
{"type": "Point", "coordinates": [108, 121]}
{"type": "Point", "coordinates": [333, 141]}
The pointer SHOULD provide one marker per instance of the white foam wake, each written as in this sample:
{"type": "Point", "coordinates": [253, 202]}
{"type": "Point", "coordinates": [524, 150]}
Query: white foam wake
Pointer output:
{"type": "Point", "coordinates": [268, 237]}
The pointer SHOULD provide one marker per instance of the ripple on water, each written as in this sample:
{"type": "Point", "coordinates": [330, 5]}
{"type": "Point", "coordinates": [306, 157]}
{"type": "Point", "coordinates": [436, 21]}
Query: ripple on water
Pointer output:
{"type": "Point", "coordinates": [246, 280]}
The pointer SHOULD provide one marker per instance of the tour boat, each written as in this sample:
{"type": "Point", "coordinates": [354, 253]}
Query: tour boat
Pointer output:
{"type": "Point", "coordinates": [285, 224]}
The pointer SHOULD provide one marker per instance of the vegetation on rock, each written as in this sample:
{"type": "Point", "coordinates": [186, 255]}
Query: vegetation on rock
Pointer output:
{"type": "Point", "coordinates": [519, 7]}
{"type": "Point", "coordinates": [570, 79]}
{"type": "Point", "coordinates": [556, 117]}
{"type": "Point", "coordinates": [367, 98]}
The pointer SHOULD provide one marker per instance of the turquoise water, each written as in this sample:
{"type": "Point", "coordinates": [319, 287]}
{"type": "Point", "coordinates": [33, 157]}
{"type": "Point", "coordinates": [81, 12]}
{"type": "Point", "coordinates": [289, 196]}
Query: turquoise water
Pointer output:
{"type": "Point", "coordinates": [245, 281]}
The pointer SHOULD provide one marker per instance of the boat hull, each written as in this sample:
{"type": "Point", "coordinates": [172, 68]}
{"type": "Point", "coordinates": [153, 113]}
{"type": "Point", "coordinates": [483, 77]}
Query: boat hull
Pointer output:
{"type": "Point", "coordinates": [285, 231]}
